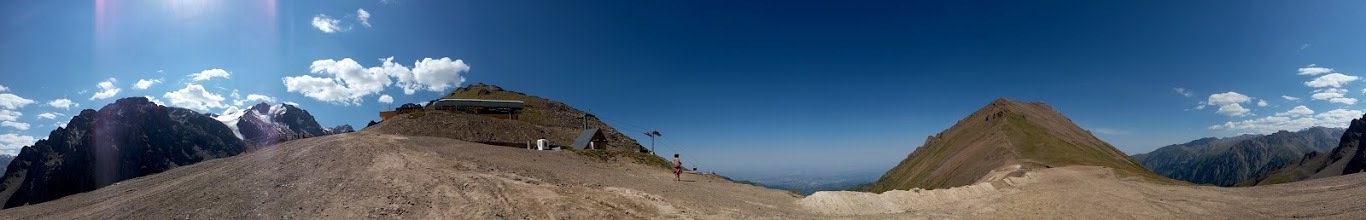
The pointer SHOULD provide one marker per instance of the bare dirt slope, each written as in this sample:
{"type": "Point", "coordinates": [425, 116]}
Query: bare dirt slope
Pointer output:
{"type": "Point", "coordinates": [372, 175]}
{"type": "Point", "coordinates": [1092, 192]}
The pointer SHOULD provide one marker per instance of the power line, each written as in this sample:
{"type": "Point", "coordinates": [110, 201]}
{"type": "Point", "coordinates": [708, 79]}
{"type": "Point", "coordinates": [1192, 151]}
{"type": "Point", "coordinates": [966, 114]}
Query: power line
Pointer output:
{"type": "Point", "coordinates": [665, 140]}
{"type": "Point", "coordinates": [671, 144]}
{"type": "Point", "coordinates": [623, 123]}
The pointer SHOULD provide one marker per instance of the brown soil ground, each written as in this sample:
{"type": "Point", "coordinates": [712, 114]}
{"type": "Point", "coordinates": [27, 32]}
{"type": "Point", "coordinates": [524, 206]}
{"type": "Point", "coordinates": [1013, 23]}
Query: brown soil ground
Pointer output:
{"type": "Point", "coordinates": [372, 175]}
{"type": "Point", "coordinates": [1091, 192]}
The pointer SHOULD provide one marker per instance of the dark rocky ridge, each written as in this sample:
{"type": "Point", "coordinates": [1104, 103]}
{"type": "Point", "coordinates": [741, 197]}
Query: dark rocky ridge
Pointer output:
{"type": "Point", "coordinates": [1347, 158]}
{"type": "Point", "coordinates": [129, 138]}
{"type": "Point", "coordinates": [1233, 160]}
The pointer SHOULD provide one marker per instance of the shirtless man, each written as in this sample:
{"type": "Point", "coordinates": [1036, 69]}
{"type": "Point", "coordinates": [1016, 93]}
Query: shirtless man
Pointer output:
{"type": "Point", "coordinates": [678, 168]}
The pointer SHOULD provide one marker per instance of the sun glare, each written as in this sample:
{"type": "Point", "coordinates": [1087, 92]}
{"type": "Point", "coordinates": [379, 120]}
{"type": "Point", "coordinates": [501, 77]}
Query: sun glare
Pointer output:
{"type": "Point", "coordinates": [188, 8]}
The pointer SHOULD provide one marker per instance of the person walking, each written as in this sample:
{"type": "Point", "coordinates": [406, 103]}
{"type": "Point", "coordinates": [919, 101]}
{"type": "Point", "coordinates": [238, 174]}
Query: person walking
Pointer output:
{"type": "Point", "coordinates": [678, 168]}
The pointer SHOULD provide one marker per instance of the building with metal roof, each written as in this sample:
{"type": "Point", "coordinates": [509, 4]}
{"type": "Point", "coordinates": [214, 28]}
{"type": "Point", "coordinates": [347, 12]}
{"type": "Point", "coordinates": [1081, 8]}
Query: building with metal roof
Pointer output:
{"type": "Point", "coordinates": [590, 139]}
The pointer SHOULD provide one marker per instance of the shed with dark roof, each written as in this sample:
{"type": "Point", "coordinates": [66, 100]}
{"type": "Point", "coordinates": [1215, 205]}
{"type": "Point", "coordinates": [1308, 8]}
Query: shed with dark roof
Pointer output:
{"type": "Point", "coordinates": [589, 139]}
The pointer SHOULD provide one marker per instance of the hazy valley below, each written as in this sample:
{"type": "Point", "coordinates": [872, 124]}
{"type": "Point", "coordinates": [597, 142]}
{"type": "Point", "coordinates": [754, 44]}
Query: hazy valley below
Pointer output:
{"type": "Point", "coordinates": [806, 182]}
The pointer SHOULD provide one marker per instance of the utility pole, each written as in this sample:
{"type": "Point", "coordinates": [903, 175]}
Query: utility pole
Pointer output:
{"type": "Point", "coordinates": [652, 135]}
{"type": "Point", "coordinates": [585, 118]}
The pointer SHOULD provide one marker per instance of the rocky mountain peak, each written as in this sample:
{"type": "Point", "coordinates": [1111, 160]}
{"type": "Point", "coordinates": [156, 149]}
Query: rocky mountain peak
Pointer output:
{"type": "Point", "coordinates": [260, 107]}
{"type": "Point", "coordinates": [129, 138]}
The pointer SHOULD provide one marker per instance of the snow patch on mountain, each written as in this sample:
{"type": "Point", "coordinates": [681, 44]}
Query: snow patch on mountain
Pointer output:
{"type": "Point", "coordinates": [230, 119]}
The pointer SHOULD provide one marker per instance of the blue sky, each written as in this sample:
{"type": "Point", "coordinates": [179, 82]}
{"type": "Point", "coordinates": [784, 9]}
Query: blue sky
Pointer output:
{"type": "Point", "coordinates": [739, 87]}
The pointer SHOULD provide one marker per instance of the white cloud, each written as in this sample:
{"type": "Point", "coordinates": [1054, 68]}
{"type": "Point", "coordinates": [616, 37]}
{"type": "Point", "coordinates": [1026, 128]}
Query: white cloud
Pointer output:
{"type": "Point", "coordinates": [1227, 98]}
{"type": "Point", "coordinates": [1312, 70]}
{"type": "Point", "coordinates": [363, 16]}
{"type": "Point", "coordinates": [1233, 110]}
{"type": "Point", "coordinates": [3, 88]}
{"type": "Point", "coordinates": [402, 75]}
{"type": "Point", "coordinates": [1339, 117]}
{"type": "Point", "coordinates": [1336, 118]}
{"type": "Point", "coordinates": [1334, 95]}
{"type": "Point", "coordinates": [1261, 103]}
{"type": "Point", "coordinates": [11, 143]}
{"type": "Point", "coordinates": [63, 104]}
{"type": "Point", "coordinates": [7, 115]}
{"type": "Point", "coordinates": [107, 90]}
{"type": "Point", "coordinates": [386, 99]}
{"type": "Point", "coordinates": [327, 24]}
{"type": "Point", "coordinates": [1328, 93]}
{"type": "Point", "coordinates": [1348, 101]}
{"type": "Point", "coordinates": [11, 101]}
{"type": "Point", "coordinates": [143, 84]}
{"type": "Point", "coordinates": [1290, 98]}
{"type": "Point", "coordinates": [259, 97]}
{"type": "Point", "coordinates": [154, 100]}
{"type": "Point", "coordinates": [437, 75]}
{"type": "Point", "coordinates": [321, 89]}
{"type": "Point", "coordinates": [352, 81]}
{"type": "Point", "coordinates": [1184, 92]}
{"type": "Point", "coordinates": [1334, 80]}
{"type": "Point", "coordinates": [1325, 95]}
{"type": "Point", "coordinates": [352, 74]}
{"type": "Point", "coordinates": [209, 74]}
{"type": "Point", "coordinates": [1297, 111]}
{"type": "Point", "coordinates": [49, 115]}
{"type": "Point", "coordinates": [1199, 107]}
{"type": "Point", "coordinates": [15, 125]}
{"type": "Point", "coordinates": [59, 124]}
{"type": "Point", "coordinates": [1228, 103]}
{"type": "Point", "coordinates": [193, 96]}
{"type": "Point", "coordinates": [295, 104]}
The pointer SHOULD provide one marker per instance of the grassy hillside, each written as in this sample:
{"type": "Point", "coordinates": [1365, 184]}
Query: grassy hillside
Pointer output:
{"type": "Point", "coordinates": [541, 118]}
{"type": "Point", "coordinates": [1004, 132]}
{"type": "Point", "coordinates": [549, 113]}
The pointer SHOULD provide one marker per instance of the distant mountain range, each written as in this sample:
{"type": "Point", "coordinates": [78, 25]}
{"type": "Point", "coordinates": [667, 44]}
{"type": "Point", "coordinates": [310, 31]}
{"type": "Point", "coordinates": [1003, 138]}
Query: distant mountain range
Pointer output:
{"type": "Point", "coordinates": [1347, 157]}
{"type": "Point", "coordinates": [265, 125]}
{"type": "Point", "coordinates": [1233, 160]}
{"type": "Point", "coordinates": [134, 137]}
{"type": "Point", "coordinates": [4, 161]}
{"type": "Point", "coordinates": [1004, 137]}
